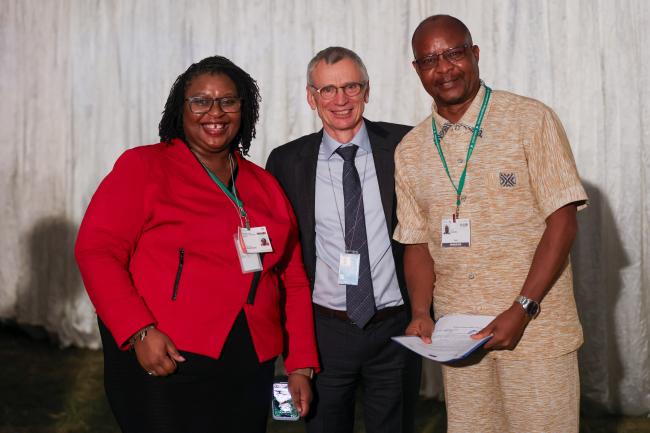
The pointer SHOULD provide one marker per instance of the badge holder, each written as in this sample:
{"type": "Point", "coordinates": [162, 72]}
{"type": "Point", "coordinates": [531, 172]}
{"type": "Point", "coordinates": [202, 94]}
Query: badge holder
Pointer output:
{"type": "Point", "coordinates": [456, 232]}
{"type": "Point", "coordinates": [349, 267]}
{"type": "Point", "coordinates": [248, 262]}
{"type": "Point", "coordinates": [254, 240]}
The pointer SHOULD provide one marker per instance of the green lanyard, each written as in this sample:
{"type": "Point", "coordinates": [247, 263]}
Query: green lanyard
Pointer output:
{"type": "Point", "coordinates": [232, 195]}
{"type": "Point", "coordinates": [470, 149]}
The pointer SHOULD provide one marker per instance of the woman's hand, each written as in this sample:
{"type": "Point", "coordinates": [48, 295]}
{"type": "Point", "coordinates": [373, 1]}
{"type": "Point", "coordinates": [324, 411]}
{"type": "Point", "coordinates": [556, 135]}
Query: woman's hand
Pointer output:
{"type": "Point", "coordinates": [157, 354]}
{"type": "Point", "coordinates": [300, 389]}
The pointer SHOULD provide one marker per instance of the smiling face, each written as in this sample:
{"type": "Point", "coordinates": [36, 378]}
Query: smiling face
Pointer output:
{"type": "Point", "coordinates": [210, 133]}
{"type": "Point", "coordinates": [341, 115]}
{"type": "Point", "coordinates": [449, 83]}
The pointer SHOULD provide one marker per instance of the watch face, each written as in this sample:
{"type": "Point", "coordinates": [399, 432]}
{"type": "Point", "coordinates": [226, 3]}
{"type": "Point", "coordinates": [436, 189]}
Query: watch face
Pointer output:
{"type": "Point", "coordinates": [531, 307]}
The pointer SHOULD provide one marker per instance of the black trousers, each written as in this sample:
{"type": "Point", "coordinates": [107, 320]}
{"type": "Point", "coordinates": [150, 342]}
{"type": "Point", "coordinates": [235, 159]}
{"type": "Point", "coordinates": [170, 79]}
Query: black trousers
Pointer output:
{"type": "Point", "coordinates": [387, 374]}
{"type": "Point", "coordinates": [231, 394]}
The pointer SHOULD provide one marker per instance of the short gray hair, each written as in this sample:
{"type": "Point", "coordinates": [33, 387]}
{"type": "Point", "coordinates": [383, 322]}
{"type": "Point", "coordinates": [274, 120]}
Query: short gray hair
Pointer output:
{"type": "Point", "coordinates": [331, 55]}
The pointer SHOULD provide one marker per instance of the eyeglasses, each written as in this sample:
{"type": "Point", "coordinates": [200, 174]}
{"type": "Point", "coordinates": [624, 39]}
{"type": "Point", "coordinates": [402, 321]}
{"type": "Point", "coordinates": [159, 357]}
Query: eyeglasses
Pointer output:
{"type": "Point", "coordinates": [452, 55]}
{"type": "Point", "coordinates": [201, 104]}
{"type": "Point", "coordinates": [330, 92]}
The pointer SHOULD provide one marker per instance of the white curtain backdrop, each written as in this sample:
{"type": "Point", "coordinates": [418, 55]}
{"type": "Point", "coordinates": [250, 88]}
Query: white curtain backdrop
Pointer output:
{"type": "Point", "coordinates": [83, 80]}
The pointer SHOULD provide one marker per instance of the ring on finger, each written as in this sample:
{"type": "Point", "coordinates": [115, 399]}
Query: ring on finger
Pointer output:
{"type": "Point", "coordinates": [151, 373]}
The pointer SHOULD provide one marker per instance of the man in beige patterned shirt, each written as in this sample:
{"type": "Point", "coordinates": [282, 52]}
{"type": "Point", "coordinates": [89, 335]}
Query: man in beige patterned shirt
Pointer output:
{"type": "Point", "coordinates": [487, 198]}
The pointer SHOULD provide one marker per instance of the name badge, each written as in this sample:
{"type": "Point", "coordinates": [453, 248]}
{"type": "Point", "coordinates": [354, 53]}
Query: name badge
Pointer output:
{"type": "Point", "coordinates": [248, 262]}
{"type": "Point", "coordinates": [455, 233]}
{"type": "Point", "coordinates": [254, 240]}
{"type": "Point", "coordinates": [349, 268]}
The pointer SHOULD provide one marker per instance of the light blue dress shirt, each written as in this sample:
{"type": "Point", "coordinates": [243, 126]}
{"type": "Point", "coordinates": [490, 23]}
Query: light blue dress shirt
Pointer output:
{"type": "Point", "coordinates": [330, 226]}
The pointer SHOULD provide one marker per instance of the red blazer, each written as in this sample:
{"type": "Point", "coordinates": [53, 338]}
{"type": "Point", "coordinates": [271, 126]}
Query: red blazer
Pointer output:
{"type": "Point", "coordinates": [157, 200]}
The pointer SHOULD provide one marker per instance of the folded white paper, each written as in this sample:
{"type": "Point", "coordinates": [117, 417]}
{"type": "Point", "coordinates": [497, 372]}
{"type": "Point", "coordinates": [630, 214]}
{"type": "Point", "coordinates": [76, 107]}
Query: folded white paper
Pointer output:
{"type": "Point", "coordinates": [451, 339]}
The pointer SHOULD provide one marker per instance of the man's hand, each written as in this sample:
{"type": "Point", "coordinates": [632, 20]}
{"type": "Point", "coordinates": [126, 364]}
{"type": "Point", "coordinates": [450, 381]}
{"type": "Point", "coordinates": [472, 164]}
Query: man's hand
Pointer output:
{"type": "Point", "coordinates": [549, 260]}
{"type": "Point", "coordinates": [422, 326]}
{"type": "Point", "coordinates": [506, 329]}
{"type": "Point", "coordinates": [157, 354]}
{"type": "Point", "coordinates": [420, 279]}
{"type": "Point", "coordinates": [300, 390]}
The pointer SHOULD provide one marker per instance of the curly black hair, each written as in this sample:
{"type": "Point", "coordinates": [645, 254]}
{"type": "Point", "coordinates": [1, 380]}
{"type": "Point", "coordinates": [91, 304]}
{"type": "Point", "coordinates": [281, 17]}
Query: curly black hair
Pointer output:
{"type": "Point", "coordinates": [171, 123]}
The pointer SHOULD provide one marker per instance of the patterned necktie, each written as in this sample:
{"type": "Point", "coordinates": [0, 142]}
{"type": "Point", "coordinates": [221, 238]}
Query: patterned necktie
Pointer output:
{"type": "Point", "coordinates": [360, 300]}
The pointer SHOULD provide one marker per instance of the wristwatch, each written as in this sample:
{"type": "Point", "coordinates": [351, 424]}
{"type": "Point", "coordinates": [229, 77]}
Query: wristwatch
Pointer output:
{"type": "Point", "coordinates": [530, 306]}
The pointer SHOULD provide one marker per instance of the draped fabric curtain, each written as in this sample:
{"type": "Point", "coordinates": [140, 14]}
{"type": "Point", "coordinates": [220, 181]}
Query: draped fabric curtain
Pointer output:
{"type": "Point", "coordinates": [83, 80]}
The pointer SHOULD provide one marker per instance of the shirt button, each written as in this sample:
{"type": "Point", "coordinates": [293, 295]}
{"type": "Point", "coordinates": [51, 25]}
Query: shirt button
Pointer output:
{"type": "Point", "coordinates": [463, 197]}
{"type": "Point", "coordinates": [460, 161]}
{"type": "Point", "coordinates": [471, 275]}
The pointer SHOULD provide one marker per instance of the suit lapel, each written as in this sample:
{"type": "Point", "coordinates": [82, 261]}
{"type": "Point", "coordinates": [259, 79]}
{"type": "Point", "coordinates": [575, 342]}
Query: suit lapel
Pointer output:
{"type": "Point", "coordinates": [382, 153]}
{"type": "Point", "coordinates": [306, 186]}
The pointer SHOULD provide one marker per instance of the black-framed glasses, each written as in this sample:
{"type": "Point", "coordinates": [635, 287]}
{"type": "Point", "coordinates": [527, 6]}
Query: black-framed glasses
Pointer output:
{"type": "Point", "coordinates": [202, 104]}
{"type": "Point", "coordinates": [330, 91]}
{"type": "Point", "coordinates": [452, 55]}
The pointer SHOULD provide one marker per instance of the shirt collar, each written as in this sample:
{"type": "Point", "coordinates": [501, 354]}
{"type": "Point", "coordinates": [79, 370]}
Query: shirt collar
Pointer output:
{"type": "Point", "coordinates": [469, 118]}
{"type": "Point", "coordinates": [361, 139]}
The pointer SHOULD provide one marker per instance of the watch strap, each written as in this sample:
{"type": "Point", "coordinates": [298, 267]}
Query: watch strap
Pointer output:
{"type": "Point", "coordinates": [530, 306]}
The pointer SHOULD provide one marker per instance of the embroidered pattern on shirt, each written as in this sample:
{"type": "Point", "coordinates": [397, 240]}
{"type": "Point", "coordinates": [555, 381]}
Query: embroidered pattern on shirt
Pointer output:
{"type": "Point", "coordinates": [507, 180]}
{"type": "Point", "coordinates": [457, 126]}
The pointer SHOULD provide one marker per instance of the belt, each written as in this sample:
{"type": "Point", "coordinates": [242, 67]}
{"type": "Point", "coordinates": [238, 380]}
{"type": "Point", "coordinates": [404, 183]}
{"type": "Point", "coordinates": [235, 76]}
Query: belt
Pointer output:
{"type": "Point", "coordinates": [380, 315]}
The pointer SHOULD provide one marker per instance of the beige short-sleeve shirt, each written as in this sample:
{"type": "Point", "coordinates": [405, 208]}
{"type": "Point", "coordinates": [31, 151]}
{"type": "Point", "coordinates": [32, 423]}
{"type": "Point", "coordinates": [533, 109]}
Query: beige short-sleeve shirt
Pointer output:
{"type": "Point", "coordinates": [520, 172]}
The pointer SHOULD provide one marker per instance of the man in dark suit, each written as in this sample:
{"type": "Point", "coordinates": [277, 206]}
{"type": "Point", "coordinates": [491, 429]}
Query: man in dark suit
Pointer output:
{"type": "Point", "coordinates": [340, 184]}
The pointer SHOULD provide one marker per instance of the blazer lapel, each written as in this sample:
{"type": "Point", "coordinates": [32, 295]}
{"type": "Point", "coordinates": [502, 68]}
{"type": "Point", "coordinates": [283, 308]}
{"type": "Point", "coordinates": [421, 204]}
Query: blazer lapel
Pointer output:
{"type": "Point", "coordinates": [383, 154]}
{"type": "Point", "coordinates": [306, 185]}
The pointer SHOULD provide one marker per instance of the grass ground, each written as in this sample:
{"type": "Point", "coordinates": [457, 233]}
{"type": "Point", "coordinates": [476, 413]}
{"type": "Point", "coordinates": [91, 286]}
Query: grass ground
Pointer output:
{"type": "Point", "coordinates": [44, 389]}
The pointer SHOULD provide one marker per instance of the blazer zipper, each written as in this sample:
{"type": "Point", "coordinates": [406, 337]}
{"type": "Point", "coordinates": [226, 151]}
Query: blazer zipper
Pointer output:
{"type": "Point", "coordinates": [181, 259]}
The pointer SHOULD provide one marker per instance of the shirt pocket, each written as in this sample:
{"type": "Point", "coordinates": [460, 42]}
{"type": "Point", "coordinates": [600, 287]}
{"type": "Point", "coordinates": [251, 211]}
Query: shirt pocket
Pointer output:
{"type": "Point", "coordinates": [509, 197]}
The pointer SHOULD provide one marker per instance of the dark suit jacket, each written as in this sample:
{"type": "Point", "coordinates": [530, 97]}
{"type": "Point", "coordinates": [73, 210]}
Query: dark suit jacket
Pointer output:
{"type": "Point", "coordinates": [294, 165]}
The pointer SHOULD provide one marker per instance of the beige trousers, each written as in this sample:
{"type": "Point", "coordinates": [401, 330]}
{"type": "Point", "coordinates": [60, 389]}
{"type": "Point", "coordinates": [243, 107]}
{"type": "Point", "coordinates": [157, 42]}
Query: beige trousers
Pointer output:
{"type": "Point", "coordinates": [513, 396]}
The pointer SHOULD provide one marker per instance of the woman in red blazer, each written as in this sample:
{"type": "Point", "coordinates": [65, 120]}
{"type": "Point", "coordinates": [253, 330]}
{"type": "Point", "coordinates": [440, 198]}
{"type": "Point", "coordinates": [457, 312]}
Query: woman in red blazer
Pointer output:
{"type": "Point", "coordinates": [174, 272]}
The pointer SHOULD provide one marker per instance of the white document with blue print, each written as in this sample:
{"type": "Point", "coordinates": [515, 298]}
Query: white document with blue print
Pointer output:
{"type": "Point", "coordinates": [451, 339]}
